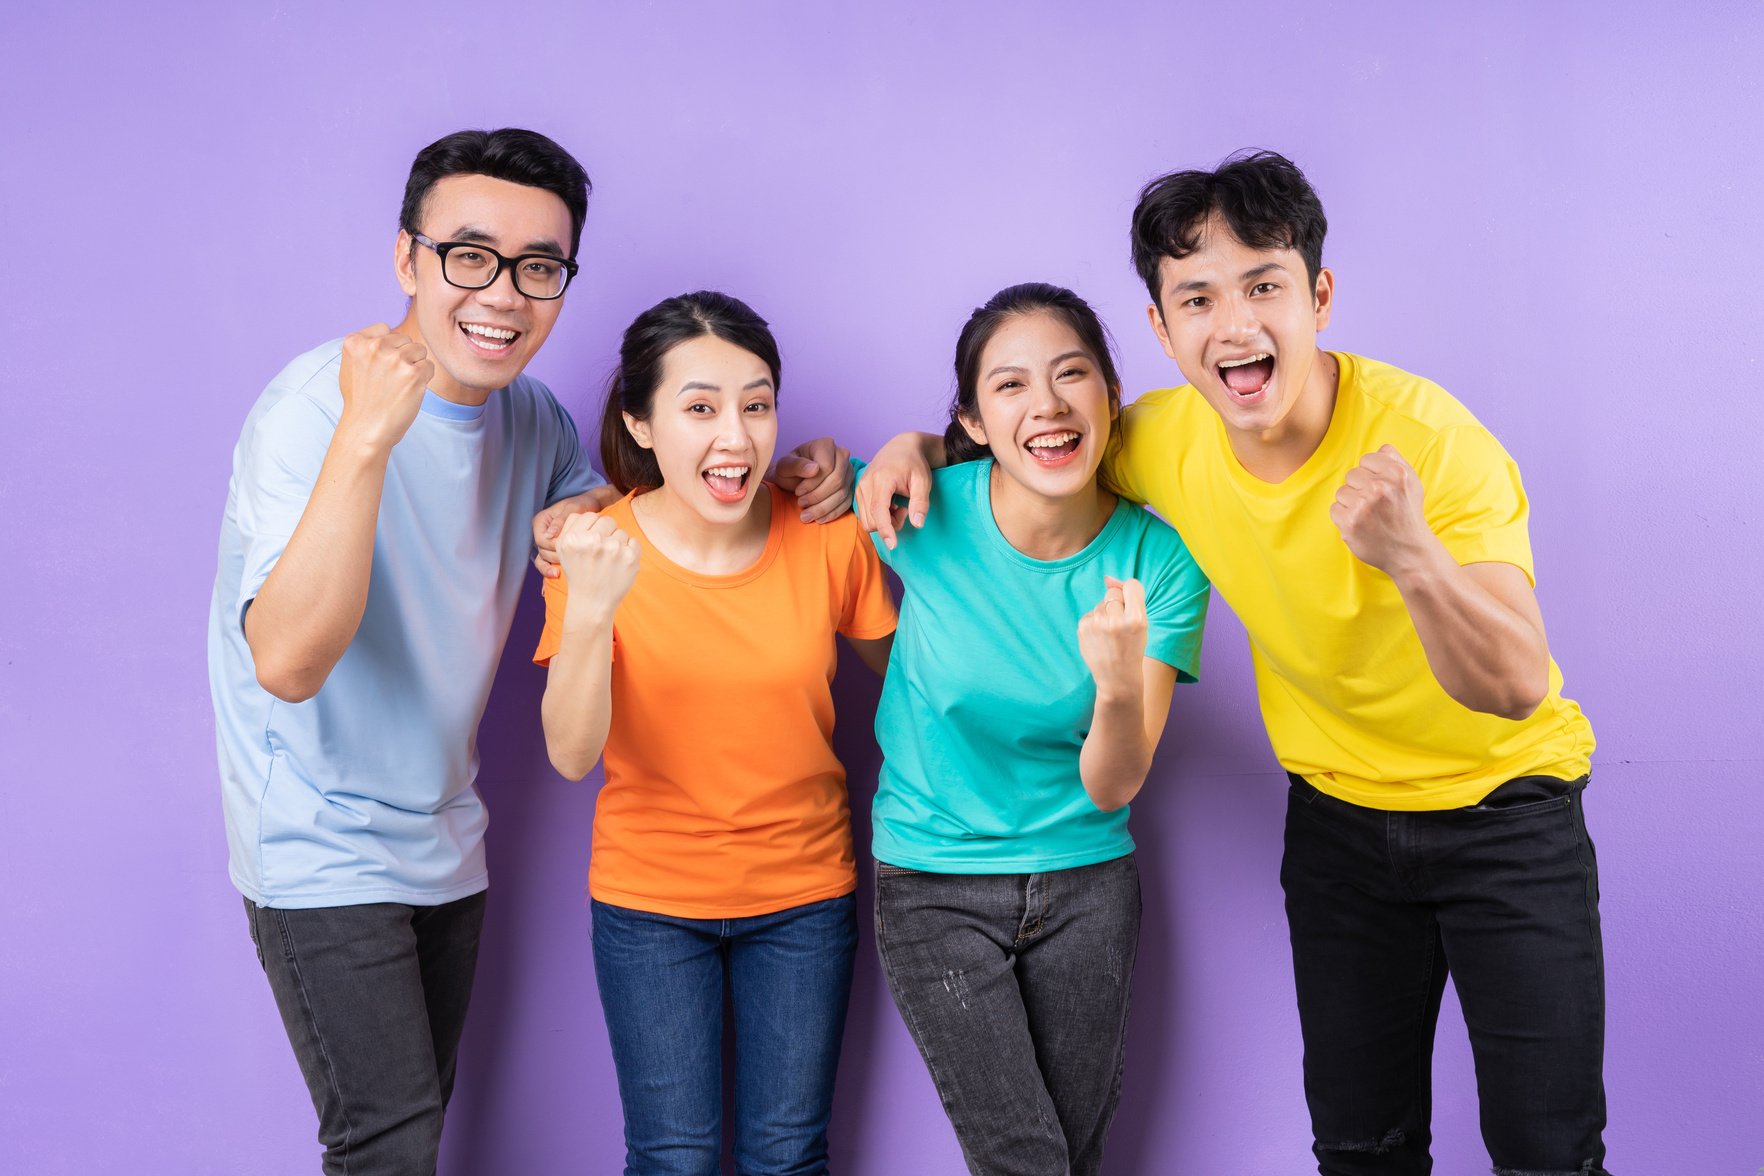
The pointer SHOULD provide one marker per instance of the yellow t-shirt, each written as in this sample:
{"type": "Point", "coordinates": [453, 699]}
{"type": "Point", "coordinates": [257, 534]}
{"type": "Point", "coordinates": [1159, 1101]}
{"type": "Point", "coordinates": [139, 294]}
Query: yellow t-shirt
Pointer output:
{"type": "Point", "coordinates": [1348, 698]}
{"type": "Point", "coordinates": [723, 797]}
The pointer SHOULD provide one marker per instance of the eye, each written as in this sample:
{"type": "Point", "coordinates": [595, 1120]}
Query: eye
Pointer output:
{"type": "Point", "coordinates": [543, 269]}
{"type": "Point", "coordinates": [1008, 385]}
{"type": "Point", "coordinates": [759, 408]}
{"type": "Point", "coordinates": [700, 408]}
{"type": "Point", "coordinates": [1264, 288]}
{"type": "Point", "coordinates": [1071, 372]}
{"type": "Point", "coordinates": [469, 256]}
{"type": "Point", "coordinates": [1196, 303]}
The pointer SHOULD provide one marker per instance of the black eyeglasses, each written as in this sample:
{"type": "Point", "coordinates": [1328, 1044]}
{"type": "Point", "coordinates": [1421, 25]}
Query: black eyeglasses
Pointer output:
{"type": "Point", "coordinates": [472, 266]}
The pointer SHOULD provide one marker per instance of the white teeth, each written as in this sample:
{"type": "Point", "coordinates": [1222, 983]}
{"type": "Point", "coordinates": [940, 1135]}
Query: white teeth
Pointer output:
{"type": "Point", "coordinates": [728, 471]}
{"type": "Point", "coordinates": [1050, 440]}
{"type": "Point", "coordinates": [1247, 359]}
{"type": "Point", "coordinates": [489, 332]}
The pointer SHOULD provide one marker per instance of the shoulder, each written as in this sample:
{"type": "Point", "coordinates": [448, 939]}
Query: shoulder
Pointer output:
{"type": "Point", "coordinates": [1162, 552]}
{"type": "Point", "coordinates": [1163, 405]}
{"type": "Point", "coordinates": [1401, 396]}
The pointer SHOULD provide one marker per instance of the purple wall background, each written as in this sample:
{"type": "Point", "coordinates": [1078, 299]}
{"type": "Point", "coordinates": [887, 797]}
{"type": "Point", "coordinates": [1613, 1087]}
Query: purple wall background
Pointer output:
{"type": "Point", "coordinates": [1553, 214]}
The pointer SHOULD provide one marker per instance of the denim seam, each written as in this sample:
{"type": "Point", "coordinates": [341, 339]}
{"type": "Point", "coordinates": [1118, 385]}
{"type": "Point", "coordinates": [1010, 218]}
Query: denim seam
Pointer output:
{"type": "Point", "coordinates": [311, 1020]}
{"type": "Point", "coordinates": [1424, 1036]}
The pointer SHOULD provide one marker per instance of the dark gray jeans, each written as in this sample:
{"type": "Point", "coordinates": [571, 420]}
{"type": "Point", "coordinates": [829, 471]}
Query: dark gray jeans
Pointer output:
{"type": "Point", "coordinates": [1015, 987]}
{"type": "Point", "coordinates": [374, 999]}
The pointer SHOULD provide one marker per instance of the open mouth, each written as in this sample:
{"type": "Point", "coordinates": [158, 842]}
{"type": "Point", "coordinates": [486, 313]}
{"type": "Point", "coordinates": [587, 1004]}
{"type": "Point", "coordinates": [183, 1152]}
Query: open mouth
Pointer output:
{"type": "Point", "coordinates": [1054, 448]}
{"type": "Point", "coordinates": [1249, 377]}
{"type": "Point", "coordinates": [489, 340]}
{"type": "Point", "coordinates": [727, 483]}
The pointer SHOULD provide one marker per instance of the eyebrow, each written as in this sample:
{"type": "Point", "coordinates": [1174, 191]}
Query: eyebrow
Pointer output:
{"type": "Point", "coordinates": [477, 236]}
{"type": "Point", "coordinates": [1248, 275]}
{"type": "Point", "coordinates": [703, 386]}
{"type": "Point", "coordinates": [1055, 362]}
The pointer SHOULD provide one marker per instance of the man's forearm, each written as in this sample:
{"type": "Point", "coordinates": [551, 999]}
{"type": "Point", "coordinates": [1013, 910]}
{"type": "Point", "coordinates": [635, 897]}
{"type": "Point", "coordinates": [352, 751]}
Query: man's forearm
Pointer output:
{"type": "Point", "coordinates": [1485, 654]}
{"type": "Point", "coordinates": [308, 610]}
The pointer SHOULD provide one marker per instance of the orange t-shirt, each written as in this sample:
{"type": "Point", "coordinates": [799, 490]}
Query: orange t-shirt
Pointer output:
{"type": "Point", "coordinates": [723, 797]}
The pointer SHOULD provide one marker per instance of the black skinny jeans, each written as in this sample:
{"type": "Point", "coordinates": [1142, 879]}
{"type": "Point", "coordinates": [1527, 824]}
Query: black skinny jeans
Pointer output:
{"type": "Point", "coordinates": [1503, 896]}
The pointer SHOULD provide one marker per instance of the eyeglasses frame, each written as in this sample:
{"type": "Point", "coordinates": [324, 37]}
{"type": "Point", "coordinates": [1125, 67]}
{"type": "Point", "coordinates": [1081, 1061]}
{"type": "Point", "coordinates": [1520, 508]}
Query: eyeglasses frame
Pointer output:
{"type": "Point", "coordinates": [443, 248]}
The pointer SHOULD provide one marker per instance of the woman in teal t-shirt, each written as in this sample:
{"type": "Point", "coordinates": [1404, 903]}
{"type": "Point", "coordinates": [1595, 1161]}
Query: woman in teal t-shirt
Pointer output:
{"type": "Point", "coordinates": [1043, 627]}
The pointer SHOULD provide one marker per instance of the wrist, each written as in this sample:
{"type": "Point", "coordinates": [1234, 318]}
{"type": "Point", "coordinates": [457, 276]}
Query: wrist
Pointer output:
{"type": "Point", "coordinates": [359, 440]}
{"type": "Point", "coordinates": [1120, 695]}
{"type": "Point", "coordinates": [1420, 564]}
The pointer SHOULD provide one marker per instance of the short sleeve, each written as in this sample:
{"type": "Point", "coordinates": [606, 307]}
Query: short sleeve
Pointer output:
{"type": "Point", "coordinates": [1474, 500]}
{"type": "Point", "coordinates": [1121, 463]}
{"type": "Point", "coordinates": [277, 472]}
{"type": "Point", "coordinates": [1176, 597]}
{"type": "Point", "coordinates": [571, 474]}
{"type": "Point", "coordinates": [867, 612]}
{"type": "Point", "coordinates": [557, 594]}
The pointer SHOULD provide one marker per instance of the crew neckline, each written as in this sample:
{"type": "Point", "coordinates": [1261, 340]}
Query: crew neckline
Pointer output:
{"type": "Point", "coordinates": [774, 543]}
{"type": "Point", "coordinates": [440, 406]}
{"type": "Point", "coordinates": [996, 536]}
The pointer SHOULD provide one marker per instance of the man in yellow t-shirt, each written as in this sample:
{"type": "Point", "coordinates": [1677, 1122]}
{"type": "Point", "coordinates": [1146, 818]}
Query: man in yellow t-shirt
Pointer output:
{"type": "Point", "coordinates": [1371, 535]}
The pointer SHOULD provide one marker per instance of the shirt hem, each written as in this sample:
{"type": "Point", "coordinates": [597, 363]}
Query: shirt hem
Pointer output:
{"type": "Point", "coordinates": [654, 906]}
{"type": "Point", "coordinates": [1028, 865]}
{"type": "Point", "coordinates": [361, 895]}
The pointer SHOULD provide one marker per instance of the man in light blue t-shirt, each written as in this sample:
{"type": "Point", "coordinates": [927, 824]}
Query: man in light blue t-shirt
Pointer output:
{"type": "Point", "coordinates": [374, 543]}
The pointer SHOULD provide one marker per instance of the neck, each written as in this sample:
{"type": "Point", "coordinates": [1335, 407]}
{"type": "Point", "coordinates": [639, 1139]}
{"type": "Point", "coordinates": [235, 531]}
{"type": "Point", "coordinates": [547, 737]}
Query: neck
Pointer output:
{"type": "Point", "coordinates": [441, 384]}
{"type": "Point", "coordinates": [1274, 455]}
{"type": "Point", "coordinates": [1048, 528]}
{"type": "Point", "coordinates": [698, 544]}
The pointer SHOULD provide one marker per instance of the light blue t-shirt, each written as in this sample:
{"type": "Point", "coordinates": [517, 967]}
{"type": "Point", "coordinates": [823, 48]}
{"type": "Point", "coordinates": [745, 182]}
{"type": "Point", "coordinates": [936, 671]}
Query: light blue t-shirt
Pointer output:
{"type": "Point", "coordinates": [988, 701]}
{"type": "Point", "coordinates": [363, 793]}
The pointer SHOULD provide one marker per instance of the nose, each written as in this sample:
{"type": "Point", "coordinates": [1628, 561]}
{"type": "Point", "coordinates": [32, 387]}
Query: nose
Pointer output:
{"type": "Point", "coordinates": [1237, 321]}
{"type": "Point", "coordinates": [501, 293]}
{"type": "Point", "coordinates": [1047, 401]}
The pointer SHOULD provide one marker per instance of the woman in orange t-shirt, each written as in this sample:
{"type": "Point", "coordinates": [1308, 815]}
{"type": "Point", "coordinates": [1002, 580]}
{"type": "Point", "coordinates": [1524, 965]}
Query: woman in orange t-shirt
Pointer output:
{"type": "Point", "coordinates": [690, 639]}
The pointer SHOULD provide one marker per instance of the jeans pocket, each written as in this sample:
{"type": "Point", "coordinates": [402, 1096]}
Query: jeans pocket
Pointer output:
{"type": "Point", "coordinates": [1529, 794]}
{"type": "Point", "coordinates": [884, 870]}
{"type": "Point", "coordinates": [251, 922]}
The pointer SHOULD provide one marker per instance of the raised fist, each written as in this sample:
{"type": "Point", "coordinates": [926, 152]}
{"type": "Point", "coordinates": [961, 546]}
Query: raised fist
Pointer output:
{"type": "Point", "coordinates": [383, 378]}
{"type": "Point", "coordinates": [600, 562]}
{"type": "Point", "coordinates": [1111, 637]}
{"type": "Point", "coordinates": [1378, 511]}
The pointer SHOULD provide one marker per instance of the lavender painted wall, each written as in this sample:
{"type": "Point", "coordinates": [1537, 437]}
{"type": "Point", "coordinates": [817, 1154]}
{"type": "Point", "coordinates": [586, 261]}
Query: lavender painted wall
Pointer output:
{"type": "Point", "coordinates": [1551, 209]}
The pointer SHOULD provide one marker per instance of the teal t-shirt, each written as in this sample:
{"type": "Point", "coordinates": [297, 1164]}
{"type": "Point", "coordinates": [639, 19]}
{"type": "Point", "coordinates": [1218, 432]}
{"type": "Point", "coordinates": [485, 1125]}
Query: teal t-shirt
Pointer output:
{"type": "Point", "coordinates": [987, 700]}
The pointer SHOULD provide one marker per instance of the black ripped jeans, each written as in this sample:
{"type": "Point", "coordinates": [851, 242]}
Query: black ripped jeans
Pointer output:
{"type": "Point", "coordinates": [1503, 896]}
{"type": "Point", "coordinates": [1015, 988]}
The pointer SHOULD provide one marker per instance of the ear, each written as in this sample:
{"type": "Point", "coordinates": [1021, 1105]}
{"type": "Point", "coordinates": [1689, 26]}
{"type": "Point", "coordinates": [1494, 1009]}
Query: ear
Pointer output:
{"type": "Point", "coordinates": [1324, 297]}
{"type": "Point", "coordinates": [404, 263]}
{"type": "Point", "coordinates": [974, 429]}
{"type": "Point", "coordinates": [1156, 318]}
{"type": "Point", "coordinates": [639, 430]}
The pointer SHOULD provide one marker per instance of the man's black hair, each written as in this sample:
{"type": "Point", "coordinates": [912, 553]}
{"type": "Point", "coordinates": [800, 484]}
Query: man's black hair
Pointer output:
{"type": "Point", "coordinates": [520, 157]}
{"type": "Point", "coordinates": [1262, 196]}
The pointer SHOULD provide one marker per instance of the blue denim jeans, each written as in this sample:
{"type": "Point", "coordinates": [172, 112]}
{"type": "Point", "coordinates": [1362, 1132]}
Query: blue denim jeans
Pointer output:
{"type": "Point", "coordinates": [374, 1000]}
{"type": "Point", "coordinates": [1015, 988]}
{"type": "Point", "coordinates": [1503, 895]}
{"type": "Point", "coordinates": [662, 983]}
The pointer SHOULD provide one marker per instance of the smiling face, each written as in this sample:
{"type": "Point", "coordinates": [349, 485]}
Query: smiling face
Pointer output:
{"type": "Point", "coordinates": [480, 339]}
{"type": "Point", "coordinates": [1045, 407]}
{"type": "Point", "coordinates": [1242, 325]}
{"type": "Point", "coordinates": [712, 426]}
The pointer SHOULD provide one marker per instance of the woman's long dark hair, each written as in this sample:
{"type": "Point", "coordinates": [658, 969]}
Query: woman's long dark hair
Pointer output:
{"type": "Point", "coordinates": [1028, 298]}
{"type": "Point", "coordinates": [647, 342]}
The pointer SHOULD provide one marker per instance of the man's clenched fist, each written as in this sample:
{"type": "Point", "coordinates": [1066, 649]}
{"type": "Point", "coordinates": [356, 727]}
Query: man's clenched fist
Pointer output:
{"type": "Point", "coordinates": [1378, 511]}
{"type": "Point", "coordinates": [383, 378]}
